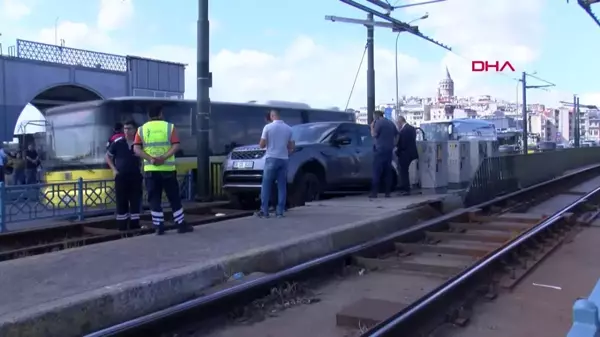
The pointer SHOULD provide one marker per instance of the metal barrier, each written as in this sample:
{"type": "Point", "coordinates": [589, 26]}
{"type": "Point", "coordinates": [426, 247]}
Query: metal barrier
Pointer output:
{"type": "Point", "coordinates": [508, 173]}
{"type": "Point", "coordinates": [216, 177]}
{"type": "Point", "coordinates": [586, 322]}
{"type": "Point", "coordinates": [75, 200]}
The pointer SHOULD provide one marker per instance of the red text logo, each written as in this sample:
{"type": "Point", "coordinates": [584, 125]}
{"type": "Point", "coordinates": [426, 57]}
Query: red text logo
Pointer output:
{"type": "Point", "coordinates": [497, 66]}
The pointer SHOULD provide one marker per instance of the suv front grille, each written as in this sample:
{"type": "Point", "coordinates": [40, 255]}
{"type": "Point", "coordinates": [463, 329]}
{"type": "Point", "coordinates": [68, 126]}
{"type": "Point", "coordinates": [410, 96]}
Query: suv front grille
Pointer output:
{"type": "Point", "coordinates": [253, 154]}
{"type": "Point", "coordinates": [242, 177]}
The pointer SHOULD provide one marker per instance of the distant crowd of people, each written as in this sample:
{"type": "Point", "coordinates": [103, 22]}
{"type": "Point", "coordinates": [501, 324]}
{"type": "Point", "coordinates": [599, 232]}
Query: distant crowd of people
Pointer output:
{"type": "Point", "coordinates": [21, 167]}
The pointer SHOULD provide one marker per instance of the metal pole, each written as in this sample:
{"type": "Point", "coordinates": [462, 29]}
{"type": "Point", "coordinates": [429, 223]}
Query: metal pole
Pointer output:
{"type": "Point", "coordinates": [577, 121]}
{"type": "Point", "coordinates": [203, 103]}
{"type": "Point", "coordinates": [524, 112]}
{"type": "Point", "coordinates": [370, 70]}
{"type": "Point", "coordinates": [396, 63]}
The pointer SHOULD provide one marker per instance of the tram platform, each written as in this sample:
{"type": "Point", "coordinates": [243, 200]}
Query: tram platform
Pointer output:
{"type": "Point", "coordinates": [71, 292]}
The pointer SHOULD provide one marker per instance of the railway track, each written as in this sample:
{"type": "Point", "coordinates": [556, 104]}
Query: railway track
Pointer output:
{"type": "Point", "coordinates": [406, 284]}
{"type": "Point", "coordinates": [19, 244]}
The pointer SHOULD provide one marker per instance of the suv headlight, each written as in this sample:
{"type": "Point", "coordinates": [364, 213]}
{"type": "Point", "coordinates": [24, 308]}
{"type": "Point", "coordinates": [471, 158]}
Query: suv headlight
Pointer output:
{"type": "Point", "coordinates": [227, 162]}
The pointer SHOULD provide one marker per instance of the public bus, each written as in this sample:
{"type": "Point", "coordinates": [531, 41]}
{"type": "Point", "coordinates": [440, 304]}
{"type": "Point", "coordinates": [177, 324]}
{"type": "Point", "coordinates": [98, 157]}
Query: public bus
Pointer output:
{"type": "Point", "coordinates": [77, 133]}
{"type": "Point", "coordinates": [459, 129]}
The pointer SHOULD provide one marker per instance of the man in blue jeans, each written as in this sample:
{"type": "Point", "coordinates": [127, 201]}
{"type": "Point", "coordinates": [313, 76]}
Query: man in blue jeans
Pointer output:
{"type": "Point", "coordinates": [277, 139]}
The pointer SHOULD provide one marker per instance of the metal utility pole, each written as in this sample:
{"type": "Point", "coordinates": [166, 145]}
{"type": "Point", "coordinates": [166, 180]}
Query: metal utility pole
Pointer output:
{"type": "Point", "coordinates": [204, 83]}
{"type": "Point", "coordinates": [577, 121]}
{"type": "Point", "coordinates": [577, 117]}
{"type": "Point", "coordinates": [524, 109]}
{"type": "Point", "coordinates": [370, 69]}
{"type": "Point", "coordinates": [524, 112]}
{"type": "Point", "coordinates": [396, 26]}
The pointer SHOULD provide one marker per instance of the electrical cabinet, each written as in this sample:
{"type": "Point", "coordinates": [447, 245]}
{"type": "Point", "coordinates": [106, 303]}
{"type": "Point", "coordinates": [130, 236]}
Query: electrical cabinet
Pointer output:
{"type": "Point", "coordinates": [433, 166]}
{"type": "Point", "coordinates": [459, 166]}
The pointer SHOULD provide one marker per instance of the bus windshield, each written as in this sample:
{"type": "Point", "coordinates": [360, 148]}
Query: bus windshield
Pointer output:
{"type": "Point", "coordinates": [436, 131]}
{"type": "Point", "coordinates": [311, 133]}
{"type": "Point", "coordinates": [76, 136]}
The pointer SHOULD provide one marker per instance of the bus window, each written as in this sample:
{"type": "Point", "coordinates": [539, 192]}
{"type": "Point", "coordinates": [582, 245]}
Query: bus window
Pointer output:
{"type": "Point", "coordinates": [179, 113]}
{"type": "Point", "coordinates": [329, 116]}
{"type": "Point", "coordinates": [437, 131]}
{"type": "Point", "coordinates": [234, 125]}
{"type": "Point", "coordinates": [77, 135]}
{"type": "Point", "coordinates": [176, 112]}
{"type": "Point", "coordinates": [291, 117]}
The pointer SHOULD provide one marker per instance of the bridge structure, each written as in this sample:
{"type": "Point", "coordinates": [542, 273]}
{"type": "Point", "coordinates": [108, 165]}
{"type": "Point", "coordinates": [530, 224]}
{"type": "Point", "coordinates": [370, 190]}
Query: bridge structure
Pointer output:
{"type": "Point", "coordinates": [48, 75]}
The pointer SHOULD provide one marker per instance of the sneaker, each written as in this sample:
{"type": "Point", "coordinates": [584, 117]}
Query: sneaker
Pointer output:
{"type": "Point", "coordinates": [280, 216]}
{"type": "Point", "coordinates": [261, 214]}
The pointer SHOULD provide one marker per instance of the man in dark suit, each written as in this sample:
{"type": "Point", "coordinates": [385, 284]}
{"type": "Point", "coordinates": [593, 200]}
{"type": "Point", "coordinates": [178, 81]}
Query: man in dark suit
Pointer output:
{"type": "Point", "coordinates": [406, 151]}
{"type": "Point", "coordinates": [384, 133]}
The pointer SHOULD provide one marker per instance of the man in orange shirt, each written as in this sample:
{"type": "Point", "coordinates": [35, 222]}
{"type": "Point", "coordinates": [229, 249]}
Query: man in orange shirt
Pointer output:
{"type": "Point", "coordinates": [156, 142]}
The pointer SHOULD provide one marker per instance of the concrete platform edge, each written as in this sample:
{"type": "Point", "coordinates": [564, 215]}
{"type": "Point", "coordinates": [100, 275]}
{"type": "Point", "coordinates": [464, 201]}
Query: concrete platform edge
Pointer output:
{"type": "Point", "coordinates": [91, 311]}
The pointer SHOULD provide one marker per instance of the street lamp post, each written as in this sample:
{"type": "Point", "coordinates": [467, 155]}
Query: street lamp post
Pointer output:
{"type": "Point", "coordinates": [396, 62]}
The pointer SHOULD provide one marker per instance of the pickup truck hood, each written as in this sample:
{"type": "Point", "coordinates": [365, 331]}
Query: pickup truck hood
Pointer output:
{"type": "Point", "coordinates": [255, 147]}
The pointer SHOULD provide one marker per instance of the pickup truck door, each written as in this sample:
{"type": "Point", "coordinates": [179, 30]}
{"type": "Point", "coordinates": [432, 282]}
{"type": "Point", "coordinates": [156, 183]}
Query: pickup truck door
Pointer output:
{"type": "Point", "coordinates": [365, 154]}
{"type": "Point", "coordinates": [343, 163]}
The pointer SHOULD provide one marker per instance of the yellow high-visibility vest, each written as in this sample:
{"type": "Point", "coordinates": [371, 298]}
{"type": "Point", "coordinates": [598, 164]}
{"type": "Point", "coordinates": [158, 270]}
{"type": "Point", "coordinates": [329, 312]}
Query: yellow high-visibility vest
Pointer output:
{"type": "Point", "coordinates": [156, 139]}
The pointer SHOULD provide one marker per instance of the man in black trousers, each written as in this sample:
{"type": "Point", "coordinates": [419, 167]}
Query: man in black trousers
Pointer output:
{"type": "Point", "coordinates": [406, 151]}
{"type": "Point", "coordinates": [384, 133]}
{"type": "Point", "coordinates": [126, 167]}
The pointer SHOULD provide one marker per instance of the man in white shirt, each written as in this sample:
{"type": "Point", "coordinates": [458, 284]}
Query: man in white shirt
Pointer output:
{"type": "Point", "coordinates": [277, 139]}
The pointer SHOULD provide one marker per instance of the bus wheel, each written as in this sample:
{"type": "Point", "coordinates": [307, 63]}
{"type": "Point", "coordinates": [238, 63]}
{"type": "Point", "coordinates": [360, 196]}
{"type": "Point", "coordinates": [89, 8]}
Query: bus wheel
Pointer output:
{"type": "Point", "coordinates": [307, 188]}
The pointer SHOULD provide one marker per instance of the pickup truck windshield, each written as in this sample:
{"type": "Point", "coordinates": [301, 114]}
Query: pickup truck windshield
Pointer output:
{"type": "Point", "coordinates": [311, 133]}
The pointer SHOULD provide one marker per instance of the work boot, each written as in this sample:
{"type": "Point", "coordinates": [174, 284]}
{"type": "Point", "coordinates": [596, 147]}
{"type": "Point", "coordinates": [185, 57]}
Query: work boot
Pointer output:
{"type": "Point", "coordinates": [122, 225]}
{"type": "Point", "coordinates": [134, 224]}
{"type": "Point", "coordinates": [160, 229]}
{"type": "Point", "coordinates": [184, 228]}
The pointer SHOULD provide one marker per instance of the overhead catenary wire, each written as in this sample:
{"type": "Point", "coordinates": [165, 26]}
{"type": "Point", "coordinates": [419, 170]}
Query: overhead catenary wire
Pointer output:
{"type": "Point", "coordinates": [362, 59]}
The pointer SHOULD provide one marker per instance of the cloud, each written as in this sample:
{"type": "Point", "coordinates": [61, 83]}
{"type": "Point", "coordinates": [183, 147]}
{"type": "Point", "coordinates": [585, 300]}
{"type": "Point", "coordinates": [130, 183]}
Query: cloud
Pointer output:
{"type": "Point", "coordinates": [313, 72]}
{"type": "Point", "coordinates": [76, 35]}
{"type": "Point", "coordinates": [114, 14]}
{"type": "Point", "coordinates": [14, 10]}
{"type": "Point", "coordinates": [307, 71]}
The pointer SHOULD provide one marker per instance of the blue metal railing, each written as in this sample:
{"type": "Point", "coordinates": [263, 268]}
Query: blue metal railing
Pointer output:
{"type": "Point", "coordinates": [67, 200]}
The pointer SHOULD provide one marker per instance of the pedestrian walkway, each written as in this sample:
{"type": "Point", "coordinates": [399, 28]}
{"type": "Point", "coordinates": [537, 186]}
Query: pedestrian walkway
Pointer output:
{"type": "Point", "coordinates": [70, 292]}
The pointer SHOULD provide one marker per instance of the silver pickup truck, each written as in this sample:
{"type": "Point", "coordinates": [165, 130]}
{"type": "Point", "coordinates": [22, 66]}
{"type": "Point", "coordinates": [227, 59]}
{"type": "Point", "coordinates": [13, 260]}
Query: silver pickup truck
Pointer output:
{"type": "Point", "coordinates": [330, 158]}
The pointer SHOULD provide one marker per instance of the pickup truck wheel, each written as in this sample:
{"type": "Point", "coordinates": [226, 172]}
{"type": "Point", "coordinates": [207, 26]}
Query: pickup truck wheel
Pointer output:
{"type": "Point", "coordinates": [243, 201]}
{"type": "Point", "coordinates": [306, 188]}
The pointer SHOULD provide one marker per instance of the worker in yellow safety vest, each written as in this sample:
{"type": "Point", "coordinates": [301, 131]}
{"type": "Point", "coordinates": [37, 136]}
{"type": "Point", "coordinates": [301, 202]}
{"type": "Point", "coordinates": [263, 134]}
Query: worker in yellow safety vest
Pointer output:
{"type": "Point", "coordinates": [156, 142]}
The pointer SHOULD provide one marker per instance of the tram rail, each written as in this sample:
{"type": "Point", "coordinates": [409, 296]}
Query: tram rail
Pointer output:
{"type": "Point", "coordinates": [505, 215]}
